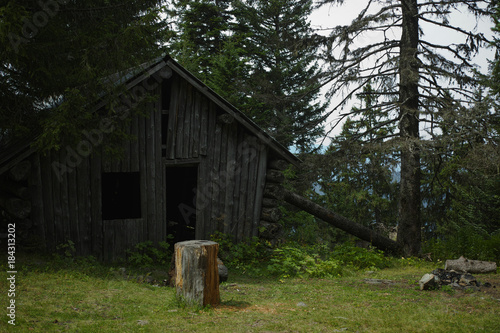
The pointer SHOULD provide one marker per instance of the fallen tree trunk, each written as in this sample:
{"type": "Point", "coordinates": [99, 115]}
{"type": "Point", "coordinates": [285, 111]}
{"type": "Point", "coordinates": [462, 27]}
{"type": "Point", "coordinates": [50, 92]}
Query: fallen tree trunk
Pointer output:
{"type": "Point", "coordinates": [470, 266]}
{"type": "Point", "coordinates": [342, 223]}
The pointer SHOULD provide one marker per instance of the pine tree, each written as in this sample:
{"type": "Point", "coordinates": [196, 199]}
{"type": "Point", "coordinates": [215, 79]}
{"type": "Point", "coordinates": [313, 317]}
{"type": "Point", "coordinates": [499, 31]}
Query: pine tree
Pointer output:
{"type": "Point", "coordinates": [56, 56]}
{"type": "Point", "coordinates": [415, 77]}
{"type": "Point", "coordinates": [359, 180]}
{"type": "Point", "coordinates": [254, 54]}
{"type": "Point", "coordinates": [202, 31]}
{"type": "Point", "coordinates": [284, 74]}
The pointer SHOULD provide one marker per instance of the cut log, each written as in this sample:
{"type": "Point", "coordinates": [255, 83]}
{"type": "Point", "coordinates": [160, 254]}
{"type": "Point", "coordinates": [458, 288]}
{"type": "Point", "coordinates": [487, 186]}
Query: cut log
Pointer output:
{"type": "Point", "coordinates": [269, 231]}
{"type": "Point", "coordinates": [278, 165]}
{"type": "Point", "coordinates": [274, 176]}
{"type": "Point", "coordinates": [197, 273]}
{"type": "Point", "coordinates": [271, 214]}
{"type": "Point", "coordinates": [470, 266]}
{"type": "Point", "coordinates": [274, 191]}
{"type": "Point", "coordinates": [20, 171]}
{"type": "Point", "coordinates": [269, 203]}
{"type": "Point", "coordinates": [342, 223]}
{"type": "Point", "coordinates": [18, 208]}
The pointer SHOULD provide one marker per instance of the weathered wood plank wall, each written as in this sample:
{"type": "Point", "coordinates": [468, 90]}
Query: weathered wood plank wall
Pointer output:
{"type": "Point", "coordinates": [231, 162]}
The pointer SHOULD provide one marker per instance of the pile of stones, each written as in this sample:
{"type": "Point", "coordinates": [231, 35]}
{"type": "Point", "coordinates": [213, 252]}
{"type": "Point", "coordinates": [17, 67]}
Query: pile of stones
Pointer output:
{"type": "Point", "coordinates": [457, 280]}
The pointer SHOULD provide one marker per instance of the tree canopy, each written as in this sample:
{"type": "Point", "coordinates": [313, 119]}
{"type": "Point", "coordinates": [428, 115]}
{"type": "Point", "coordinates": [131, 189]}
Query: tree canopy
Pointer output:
{"type": "Point", "coordinates": [256, 55]}
{"type": "Point", "coordinates": [415, 81]}
{"type": "Point", "coordinates": [56, 54]}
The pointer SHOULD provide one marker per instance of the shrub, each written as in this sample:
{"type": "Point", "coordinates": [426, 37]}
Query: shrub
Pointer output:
{"type": "Point", "coordinates": [303, 261]}
{"type": "Point", "coordinates": [360, 258]}
{"type": "Point", "coordinates": [245, 255]}
{"type": "Point", "coordinates": [466, 241]}
{"type": "Point", "coordinates": [146, 255]}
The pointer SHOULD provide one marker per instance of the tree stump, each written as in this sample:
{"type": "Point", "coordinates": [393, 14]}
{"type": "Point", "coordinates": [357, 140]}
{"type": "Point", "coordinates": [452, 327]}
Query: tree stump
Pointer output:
{"type": "Point", "coordinates": [470, 266]}
{"type": "Point", "coordinates": [197, 274]}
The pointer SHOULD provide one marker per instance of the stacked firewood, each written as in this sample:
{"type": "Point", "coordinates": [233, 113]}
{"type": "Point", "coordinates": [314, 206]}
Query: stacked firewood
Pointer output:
{"type": "Point", "coordinates": [273, 194]}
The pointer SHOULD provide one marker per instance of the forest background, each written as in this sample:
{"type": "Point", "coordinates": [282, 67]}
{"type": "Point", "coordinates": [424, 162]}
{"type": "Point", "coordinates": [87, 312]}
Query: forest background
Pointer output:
{"type": "Point", "coordinates": [418, 145]}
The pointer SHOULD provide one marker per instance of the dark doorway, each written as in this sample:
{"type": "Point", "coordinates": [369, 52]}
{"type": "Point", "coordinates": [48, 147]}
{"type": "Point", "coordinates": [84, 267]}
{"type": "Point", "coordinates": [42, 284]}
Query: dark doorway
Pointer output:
{"type": "Point", "coordinates": [181, 185]}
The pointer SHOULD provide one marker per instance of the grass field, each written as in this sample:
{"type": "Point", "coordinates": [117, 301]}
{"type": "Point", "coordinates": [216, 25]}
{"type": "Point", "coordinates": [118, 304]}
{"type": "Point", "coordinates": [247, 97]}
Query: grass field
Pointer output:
{"type": "Point", "coordinates": [89, 297]}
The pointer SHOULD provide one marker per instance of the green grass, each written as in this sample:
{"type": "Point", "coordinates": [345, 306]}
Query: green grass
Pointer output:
{"type": "Point", "coordinates": [88, 297]}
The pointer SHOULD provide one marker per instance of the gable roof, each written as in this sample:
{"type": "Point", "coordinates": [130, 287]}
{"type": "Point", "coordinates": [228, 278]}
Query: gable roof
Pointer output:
{"type": "Point", "coordinates": [17, 152]}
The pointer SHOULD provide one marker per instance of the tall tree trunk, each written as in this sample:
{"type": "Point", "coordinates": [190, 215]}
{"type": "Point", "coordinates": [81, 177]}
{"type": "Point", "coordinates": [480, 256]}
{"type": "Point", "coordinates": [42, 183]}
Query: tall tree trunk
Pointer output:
{"type": "Point", "coordinates": [409, 233]}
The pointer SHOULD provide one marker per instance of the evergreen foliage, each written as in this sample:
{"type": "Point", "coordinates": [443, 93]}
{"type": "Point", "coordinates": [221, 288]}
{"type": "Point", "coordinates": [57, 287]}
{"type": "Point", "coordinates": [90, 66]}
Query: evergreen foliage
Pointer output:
{"type": "Point", "coordinates": [57, 54]}
{"type": "Point", "coordinates": [414, 82]}
{"type": "Point", "coordinates": [255, 54]}
{"type": "Point", "coordinates": [359, 181]}
{"type": "Point", "coordinates": [284, 76]}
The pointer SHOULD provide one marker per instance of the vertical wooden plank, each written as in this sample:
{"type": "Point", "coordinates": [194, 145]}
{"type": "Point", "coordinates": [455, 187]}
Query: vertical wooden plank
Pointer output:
{"type": "Point", "coordinates": [96, 223]}
{"type": "Point", "coordinates": [187, 122]}
{"type": "Point", "coordinates": [204, 126]}
{"type": "Point", "coordinates": [216, 213]}
{"type": "Point", "coordinates": [132, 233]}
{"type": "Point", "coordinates": [259, 192]}
{"type": "Point", "coordinates": [134, 147]}
{"type": "Point", "coordinates": [159, 174]}
{"type": "Point", "coordinates": [106, 163]}
{"type": "Point", "coordinates": [252, 186]}
{"type": "Point", "coordinates": [151, 173]}
{"type": "Point", "coordinates": [210, 160]}
{"type": "Point", "coordinates": [108, 241]}
{"type": "Point", "coordinates": [126, 161]}
{"type": "Point", "coordinates": [201, 197]}
{"type": "Point", "coordinates": [195, 140]}
{"type": "Point", "coordinates": [172, 118]}
{"type": "Point", "coordinates": [84, 211]}
{"type": "Point", "coordinates": [57, 201]}
{"type": "Point", "coordinates": [37, 207]}
{"type": "Point", "coordinates": [143, 172]}
{"type": "Point", "coordinates": [244, 160]}
{"type": "Point", "coordinates": [230, 175]}
{"type": "Point", "coordinates": [47, 171]}
{"type": "Point", "coordinates": [120, 229]}
{"type": "Point", "coordinates": [179, 136]}
{"type": "Point", "coordinates": [222, 170]}
{"type": "Point", "coordinates": [65, 221]}
{"type": "Point", "coordinates": [70, 207]}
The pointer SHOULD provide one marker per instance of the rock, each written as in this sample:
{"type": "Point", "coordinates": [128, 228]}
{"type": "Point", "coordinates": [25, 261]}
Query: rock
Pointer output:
{"type": "Point", "coordinates": [427, 282]}
{"type": "Point", "coordinates": [468, 279]}
{"type": "Point", "coordinates": [378, 281]}
{"type": "Point", "coordinates": [442, 277]}
{"type": "Point", "coordinates": [302, 304]}
{"type": "Point", "coordinates": [223, 271]}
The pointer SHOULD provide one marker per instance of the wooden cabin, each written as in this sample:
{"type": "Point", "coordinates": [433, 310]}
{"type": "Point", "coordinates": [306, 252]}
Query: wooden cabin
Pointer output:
{"type": "Point", "coordinates": [198, 166]}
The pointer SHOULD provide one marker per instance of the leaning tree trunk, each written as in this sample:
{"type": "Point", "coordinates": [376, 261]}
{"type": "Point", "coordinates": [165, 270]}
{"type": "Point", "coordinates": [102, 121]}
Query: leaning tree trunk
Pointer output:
{"type": "Point", "coordinates": [409, 203]}
{"type": "Point", "coordinates": [343, 223]}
